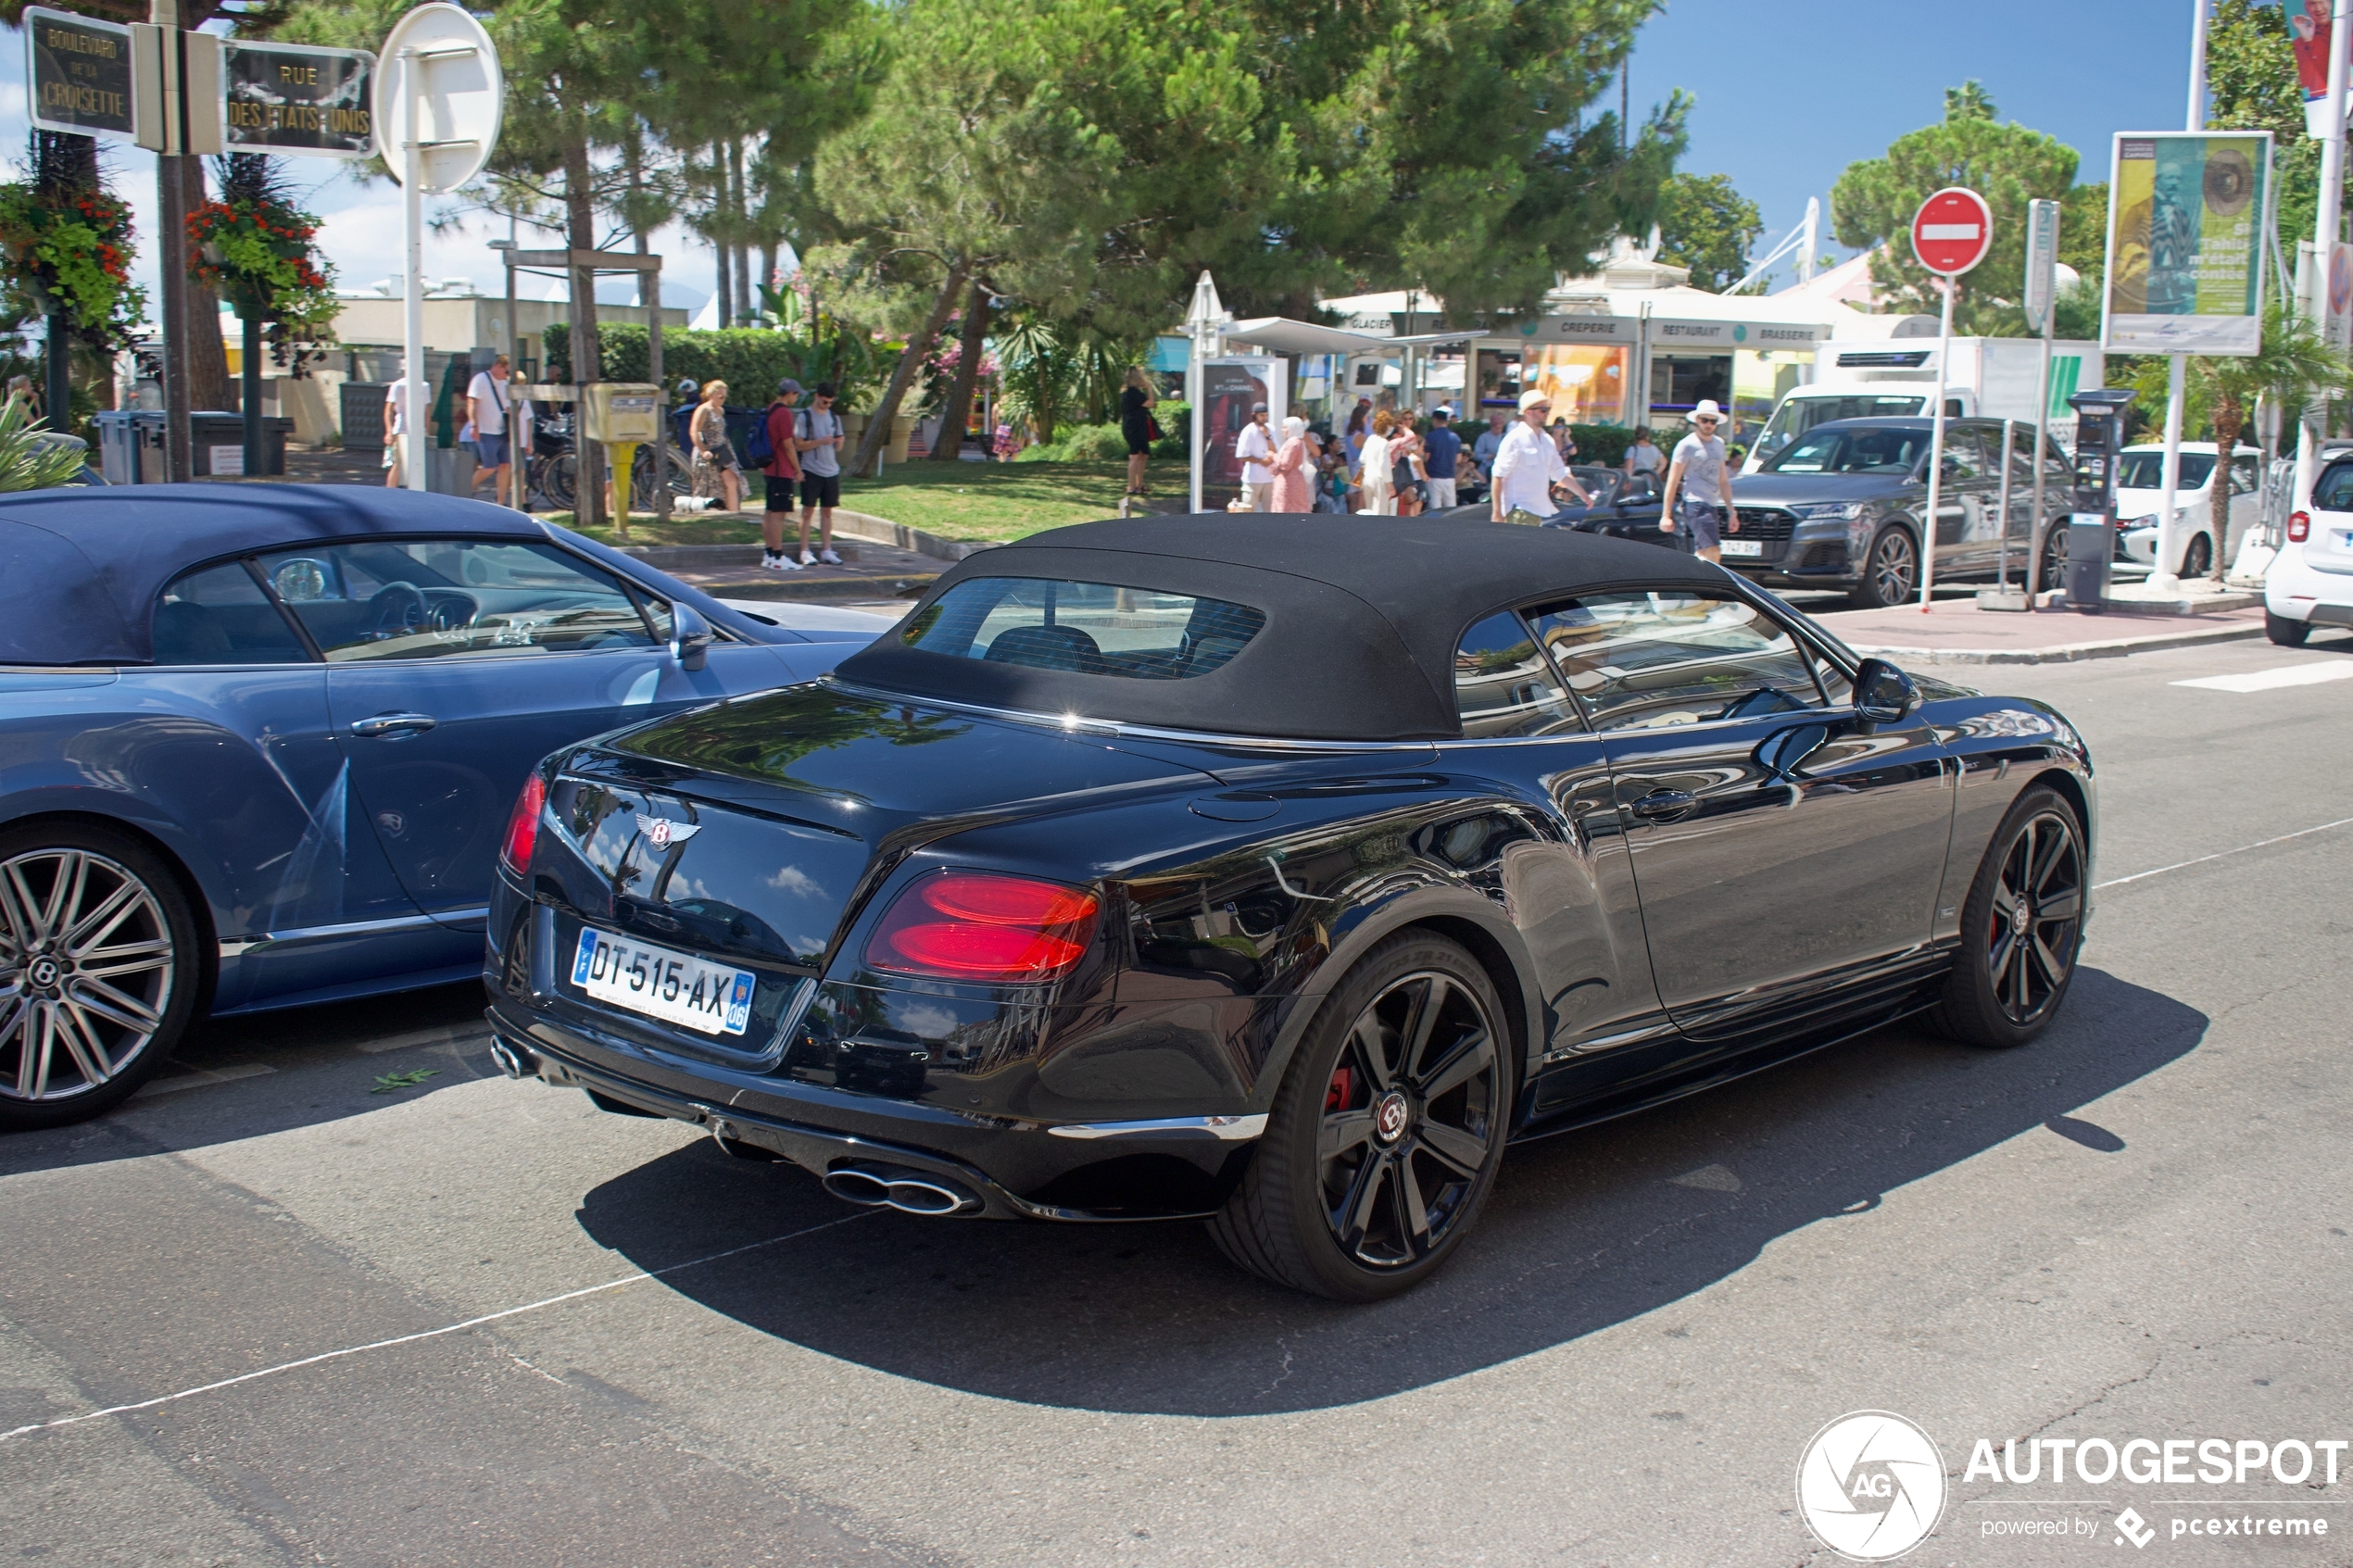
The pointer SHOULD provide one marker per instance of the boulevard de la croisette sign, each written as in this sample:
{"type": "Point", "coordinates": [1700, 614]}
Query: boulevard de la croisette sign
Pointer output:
{"type": "Point", "coordinates": [79, 71]}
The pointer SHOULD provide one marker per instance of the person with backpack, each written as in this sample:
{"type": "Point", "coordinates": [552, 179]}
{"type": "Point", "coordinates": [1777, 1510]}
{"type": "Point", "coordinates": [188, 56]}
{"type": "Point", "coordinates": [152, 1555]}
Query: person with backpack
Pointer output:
{"type": "Point", "coordinates": [817, 437]}
{"type": "Point", "coordinates": [772, 449]}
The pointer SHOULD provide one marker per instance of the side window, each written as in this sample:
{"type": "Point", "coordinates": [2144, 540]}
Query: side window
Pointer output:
{"type": "Point", "coordinates": [1963, 459]}
{"type": "Point", "coordinates": [220, 616]}
{"type": "Point", "coordinates": [1657, 661]}
{"type": "Point", "coordinates": [438, 598]}
{"type": "Point", "coordinates": [2243, 477]}
{"type": "Point", "coordinates": [1504, 688]}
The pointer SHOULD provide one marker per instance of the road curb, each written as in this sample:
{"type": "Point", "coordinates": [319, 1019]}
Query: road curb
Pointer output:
{"type": "Point", "coordinates": [2066, 653]}
{"type": "Point", "coordinates": [882, 531]}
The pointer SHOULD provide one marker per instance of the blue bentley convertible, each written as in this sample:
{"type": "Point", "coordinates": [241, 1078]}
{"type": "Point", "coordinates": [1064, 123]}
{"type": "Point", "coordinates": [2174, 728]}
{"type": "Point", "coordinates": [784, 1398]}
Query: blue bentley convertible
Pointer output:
{"type": "Point", "coordinates": [257, 744]}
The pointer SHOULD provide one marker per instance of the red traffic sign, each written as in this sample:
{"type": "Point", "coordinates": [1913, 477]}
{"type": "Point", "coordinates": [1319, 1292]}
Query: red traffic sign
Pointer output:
{"type": "Point", "coordinates": [1952, 231]}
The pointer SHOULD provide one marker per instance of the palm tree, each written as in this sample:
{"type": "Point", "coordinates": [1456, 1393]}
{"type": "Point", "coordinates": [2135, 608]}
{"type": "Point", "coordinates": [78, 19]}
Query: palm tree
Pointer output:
{"type": "Point", "coordinates": [30, 458]}
{"type": "Point", "coordinates": [2293, 367]}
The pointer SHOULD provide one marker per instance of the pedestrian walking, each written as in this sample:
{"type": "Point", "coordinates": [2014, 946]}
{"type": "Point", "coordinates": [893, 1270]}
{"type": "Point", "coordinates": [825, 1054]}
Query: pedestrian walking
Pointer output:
{"type": "Point", "coordinates": [783, 471]}
{"type": "Point", "coordinates": [1375, 478]}
{"type": "Point", "coordinates": [714, 460]}
{"type": "Point", "coordinates": [1484, 449]}
{"type": "Point", "coordinates": [488, 409]}
{"type": "Point", "coordinates": [1136, 402]}
{"type": "Point", "coordinates": [1698, 505]}
{"type": "Point", "coordinates": [397, 426]}
{"type": "Point", "coordinates": [817, 437]}
{"type": "Point", "coordinates": [1566, 442]}
{"type": "Point", "coordinates": [1528, 465]}
{"type": "Point", "coordinates": [1353, 438]}
{"type": "Point", "coordinates": [1255, 447]}
{"type": "Point", "coordinates": [1441, 452]}
{"type": "Point", "coordinates": [1406, 472]}
{"type": "Point", "coordinates": [1292, 470]}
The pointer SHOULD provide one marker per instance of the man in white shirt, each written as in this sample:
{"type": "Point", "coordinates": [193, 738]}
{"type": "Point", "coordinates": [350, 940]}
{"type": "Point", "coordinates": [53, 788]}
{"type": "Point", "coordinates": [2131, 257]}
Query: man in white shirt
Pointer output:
{"type": "Point", "coordinates": [396, 427]}
{"type": "Point", "coordinates": [1528, 465]}
{"type": "Point", "coordinates": [487, 406]}
{"type": "Point", "coordinates": [1255, 447]}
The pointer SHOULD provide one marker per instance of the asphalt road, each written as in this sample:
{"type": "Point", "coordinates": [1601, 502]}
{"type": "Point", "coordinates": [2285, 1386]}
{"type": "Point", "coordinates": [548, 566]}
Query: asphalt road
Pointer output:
{"type": "Point", "coordinates": [528, 1333]}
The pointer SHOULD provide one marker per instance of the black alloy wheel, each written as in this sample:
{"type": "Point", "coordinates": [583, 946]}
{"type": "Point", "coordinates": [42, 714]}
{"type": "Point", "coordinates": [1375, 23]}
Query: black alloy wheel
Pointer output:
{"type": "Point", "coordinates": [2053, 574]}
{"type": "Point", "coordinates": [1891, 571]}
{"type": "Point", "coordinates": [1387, 1132]}
{"type": "Point", "coordinates": [2198, 559]}
{"type": "Point", "coordinates": [2285, 633]}
{"type": "Point", "coordinates": [99, 970]}
{"type": "Point", "coordinates": [2021, 926]}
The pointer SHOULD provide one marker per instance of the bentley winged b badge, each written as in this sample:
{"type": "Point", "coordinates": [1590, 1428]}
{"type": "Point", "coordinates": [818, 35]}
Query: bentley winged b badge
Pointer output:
{"type": "Point", "coordinates": [662, 834]}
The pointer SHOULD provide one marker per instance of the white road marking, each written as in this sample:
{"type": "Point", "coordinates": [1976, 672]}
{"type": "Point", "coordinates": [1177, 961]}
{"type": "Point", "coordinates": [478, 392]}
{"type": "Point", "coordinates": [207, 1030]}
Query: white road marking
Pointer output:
{"type": "Point", "coordinates": [2222, 854]}
{"type": "Point", "coordinates": [2273, 680]}
{"type": "Point", "coordinates": [427, 1334]}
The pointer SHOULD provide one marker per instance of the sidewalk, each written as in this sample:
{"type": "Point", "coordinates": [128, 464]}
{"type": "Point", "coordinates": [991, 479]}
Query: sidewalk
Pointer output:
{"type": "Point", "coordinates": [1957, 632]}
{"type": "Point", "coordinates": [869, 571]}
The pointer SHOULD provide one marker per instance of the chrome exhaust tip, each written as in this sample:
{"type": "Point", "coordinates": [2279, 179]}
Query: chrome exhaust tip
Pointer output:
{"type": "Point", "coordinates": [897, 1187]}
{"type": "Point", "coordinates": [514, 1061]}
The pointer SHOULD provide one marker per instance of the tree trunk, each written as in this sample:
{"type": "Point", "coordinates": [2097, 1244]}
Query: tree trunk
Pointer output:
{"type": "Point", "coordinates": [2228, 416]}
{"type": "Point", "coordinates": [209, 383]}
{"type": "Point", "coordinates": [718, 236]}
{"type": "Point", "coordinates": [958, 411]}
{"type": "Point", "coordinates": [904, 375]}
{"type": "Point", "coordinates": [587, 359]}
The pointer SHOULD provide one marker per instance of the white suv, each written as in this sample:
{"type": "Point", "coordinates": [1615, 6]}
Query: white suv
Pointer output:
{"type": "Point", "coordinates": [2311, 582]}
{"type": "Point", "coordinates": [2139, 494]}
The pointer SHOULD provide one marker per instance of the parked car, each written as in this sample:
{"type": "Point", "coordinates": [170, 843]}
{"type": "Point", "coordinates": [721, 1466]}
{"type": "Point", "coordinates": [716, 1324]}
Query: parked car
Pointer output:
{"type": "Point", "coordinates": [2310, 585]}
{"type": "Point", "coordinates": [2140, 496]}
{"type": "Point", "coordinates": [257, 746]}
{"type": "Point", "coordinates": [1189, 867]}
{"type": "Point", "coordinates": [1840, 507]}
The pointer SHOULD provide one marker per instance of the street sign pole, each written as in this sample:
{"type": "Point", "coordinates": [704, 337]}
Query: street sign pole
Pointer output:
{"type": "Point", "coordinates": [2041, 297]}
{"type": "Point", "coordinates": [412, 313]}
{"type": "Point", "coordinates": [2325, 222]}
{"type": "Point", "coordinates": [1950, 234]}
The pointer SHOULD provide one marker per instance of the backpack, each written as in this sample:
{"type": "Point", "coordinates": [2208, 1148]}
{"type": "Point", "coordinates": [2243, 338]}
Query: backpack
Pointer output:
{"type": "Point", "coordinates": [758, 449]}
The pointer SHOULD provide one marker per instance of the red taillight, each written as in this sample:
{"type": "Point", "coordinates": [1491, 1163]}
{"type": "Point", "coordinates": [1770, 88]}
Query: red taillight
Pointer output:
{"type": "Point", "coordinates": [522, 827]}
{"type": "Point", "coordinates": [2299, 527]}
{"type": "Point", "coordinates": [978, 926]}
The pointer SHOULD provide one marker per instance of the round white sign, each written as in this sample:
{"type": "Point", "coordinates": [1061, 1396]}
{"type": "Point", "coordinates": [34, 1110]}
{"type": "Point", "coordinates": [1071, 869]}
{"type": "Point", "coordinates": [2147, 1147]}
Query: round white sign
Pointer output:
{"type": "Point", "coordinates": [438, 84]}
{"type": "Point", "coordinates": [1871, 1486]}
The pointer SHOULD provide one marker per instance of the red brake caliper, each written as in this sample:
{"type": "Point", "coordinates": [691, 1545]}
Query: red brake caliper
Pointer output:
{"type": "Point", "coordinates": [1343, 1089]}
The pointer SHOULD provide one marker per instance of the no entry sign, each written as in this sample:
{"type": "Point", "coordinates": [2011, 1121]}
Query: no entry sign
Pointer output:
{"type": "Point", "coordinates": [1952, 231]}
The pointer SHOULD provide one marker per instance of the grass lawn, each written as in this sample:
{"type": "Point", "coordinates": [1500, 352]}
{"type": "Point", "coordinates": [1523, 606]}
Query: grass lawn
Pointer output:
{"type": "Point", "coordinates": [996, 501]}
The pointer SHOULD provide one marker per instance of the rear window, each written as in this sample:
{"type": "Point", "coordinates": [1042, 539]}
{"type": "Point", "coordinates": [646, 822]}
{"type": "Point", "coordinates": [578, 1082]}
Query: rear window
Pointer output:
{"type": "Point", "coordinates": [1084, 628]}
{"type": "Point", "coordinates": [2333, 491]}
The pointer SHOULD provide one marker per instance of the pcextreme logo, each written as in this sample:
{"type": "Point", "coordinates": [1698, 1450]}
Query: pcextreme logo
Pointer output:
{"type": "Point", "coordinates": [1871, 1486]}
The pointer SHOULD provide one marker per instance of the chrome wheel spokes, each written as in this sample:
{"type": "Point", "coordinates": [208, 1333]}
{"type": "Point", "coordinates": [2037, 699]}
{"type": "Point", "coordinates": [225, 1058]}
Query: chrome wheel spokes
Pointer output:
{"type": "Point", "coordinates": [1412, 1115]}
{"type": "Point", "coordinates": [1894, 569]}
{"type": "Point", "coordinates": [2038, 913]}
{"type": "Point", "coordinates": [86, 962]}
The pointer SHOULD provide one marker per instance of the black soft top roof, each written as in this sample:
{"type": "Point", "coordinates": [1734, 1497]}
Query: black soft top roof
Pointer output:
{"type": "Point", "coordinates": [1362, 616]}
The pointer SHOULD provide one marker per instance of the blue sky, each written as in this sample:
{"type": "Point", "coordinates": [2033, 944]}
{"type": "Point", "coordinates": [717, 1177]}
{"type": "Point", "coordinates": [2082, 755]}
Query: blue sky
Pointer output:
{"type": "Point", "coordinates": [1788, 94]}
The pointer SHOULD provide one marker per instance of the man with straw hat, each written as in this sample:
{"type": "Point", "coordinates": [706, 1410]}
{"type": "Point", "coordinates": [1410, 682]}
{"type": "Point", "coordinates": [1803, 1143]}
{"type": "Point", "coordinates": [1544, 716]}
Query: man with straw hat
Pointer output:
{"type": "Point", "coordinates": [1698, 502]}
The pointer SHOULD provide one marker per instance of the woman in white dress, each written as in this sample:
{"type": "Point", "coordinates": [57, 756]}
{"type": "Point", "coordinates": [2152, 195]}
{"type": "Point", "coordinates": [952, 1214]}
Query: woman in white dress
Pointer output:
{"type": "Point", "coordinates": [1374, 464]}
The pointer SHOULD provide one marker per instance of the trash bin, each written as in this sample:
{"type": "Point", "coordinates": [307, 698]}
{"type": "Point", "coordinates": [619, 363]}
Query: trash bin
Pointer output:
{"type": "Point", "coordinates": [131, 446]}
{"type": "Point", "coordinates": [2090, 542]}
{"type": "Point", "coordinates": [218, 441]}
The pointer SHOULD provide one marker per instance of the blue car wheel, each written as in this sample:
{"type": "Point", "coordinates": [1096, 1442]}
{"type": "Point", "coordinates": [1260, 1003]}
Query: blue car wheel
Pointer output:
{"type": "Point", "coordinates": [99, 970]}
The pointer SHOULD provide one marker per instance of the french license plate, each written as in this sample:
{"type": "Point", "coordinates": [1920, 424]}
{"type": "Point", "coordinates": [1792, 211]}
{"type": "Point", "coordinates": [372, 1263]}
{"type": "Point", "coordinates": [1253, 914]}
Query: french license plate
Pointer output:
{"type": "Point", "coordinates": [1744, 547]}
{"type": "Point", "coordinates": [675, 987]}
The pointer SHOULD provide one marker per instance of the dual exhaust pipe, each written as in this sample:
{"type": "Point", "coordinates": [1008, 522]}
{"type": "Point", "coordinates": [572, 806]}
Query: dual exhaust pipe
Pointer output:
{"type": "Point", "coordinates": [901, 1188]}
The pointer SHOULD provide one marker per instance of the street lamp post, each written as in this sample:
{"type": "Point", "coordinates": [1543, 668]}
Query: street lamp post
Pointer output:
{"type": "Point", "coordinates": [1205, 324]}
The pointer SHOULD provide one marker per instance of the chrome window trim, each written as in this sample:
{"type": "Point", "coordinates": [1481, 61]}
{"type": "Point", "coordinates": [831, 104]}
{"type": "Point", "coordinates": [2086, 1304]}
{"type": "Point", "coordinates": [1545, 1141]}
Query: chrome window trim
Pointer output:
{"type": "Point", "coordinates": [1224, 1129]}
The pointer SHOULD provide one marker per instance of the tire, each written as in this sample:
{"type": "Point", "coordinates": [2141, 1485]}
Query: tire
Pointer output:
{"type": "Point", "coordinates": [2197, 556]}
{"type": "Point", "coordinates": [100, 969]}
{"type": "Point", "coordinates": [1379, 1150]}
{"type": "Point", "coordinates": [2287, 634]}
{"type": "Point", "coordinates": [2005, 989]}
{"type": "Point", "coordinates": [1891, 571]}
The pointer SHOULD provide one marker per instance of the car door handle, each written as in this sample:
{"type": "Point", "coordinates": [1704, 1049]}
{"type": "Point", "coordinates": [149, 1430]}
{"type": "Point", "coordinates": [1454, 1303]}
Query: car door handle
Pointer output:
{"type": "Point", "coordinates": [1662, 803]}
{"type": "Point", "coordinates": [394, 725]}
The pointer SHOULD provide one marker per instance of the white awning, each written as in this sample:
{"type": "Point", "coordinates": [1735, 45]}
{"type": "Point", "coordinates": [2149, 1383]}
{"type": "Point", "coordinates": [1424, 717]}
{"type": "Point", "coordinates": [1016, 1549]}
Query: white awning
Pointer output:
{"type": "Point", "coordinates": [1282, 336]}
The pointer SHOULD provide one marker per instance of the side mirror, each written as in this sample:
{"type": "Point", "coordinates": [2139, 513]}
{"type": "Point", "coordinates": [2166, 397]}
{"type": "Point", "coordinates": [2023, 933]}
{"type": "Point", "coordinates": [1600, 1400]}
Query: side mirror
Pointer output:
{"type": "Point", "coordinates": [690, 636]}
{"type": "Point", "coordinates": [1883, 695]}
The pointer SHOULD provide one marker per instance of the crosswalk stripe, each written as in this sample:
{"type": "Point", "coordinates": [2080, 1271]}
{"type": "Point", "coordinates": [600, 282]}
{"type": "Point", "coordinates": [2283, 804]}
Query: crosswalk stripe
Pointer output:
{"type": "Point", "coordinates": [2273, 680]}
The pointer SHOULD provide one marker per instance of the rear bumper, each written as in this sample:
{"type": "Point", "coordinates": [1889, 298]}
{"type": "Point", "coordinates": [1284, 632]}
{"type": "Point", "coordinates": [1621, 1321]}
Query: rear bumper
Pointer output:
{"type": "Point", "coordinates": [2294, 590]}
{"type": "Point", "coordinates": [1168, 1168]}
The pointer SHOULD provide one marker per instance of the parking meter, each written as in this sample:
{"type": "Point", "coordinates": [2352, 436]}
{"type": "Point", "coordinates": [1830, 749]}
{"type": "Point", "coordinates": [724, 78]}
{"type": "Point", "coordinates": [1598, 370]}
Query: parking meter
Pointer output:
{"type": "Point", "coordinates": [2091, 530]}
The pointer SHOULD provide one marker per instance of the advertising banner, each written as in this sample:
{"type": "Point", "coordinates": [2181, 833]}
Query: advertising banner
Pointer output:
{"type": "Point", "coordinates": [293, 98]}
{"type": "Point", "coordinates": [2308, 30]}
{"type": "Point", "coordinates": [79, 71]}
{"type": "Point", "coordinates": [1230, 388]}
{"type": "Point", "coordinates": [2185, 243]}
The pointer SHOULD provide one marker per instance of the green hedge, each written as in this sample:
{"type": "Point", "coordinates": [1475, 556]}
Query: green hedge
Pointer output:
{"type": "Point", "coordinates": [751, 360]}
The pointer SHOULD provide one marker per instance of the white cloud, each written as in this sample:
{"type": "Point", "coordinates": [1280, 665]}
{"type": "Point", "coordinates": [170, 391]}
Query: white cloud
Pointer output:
{"type": "Point", "coordinates": [797, 883]}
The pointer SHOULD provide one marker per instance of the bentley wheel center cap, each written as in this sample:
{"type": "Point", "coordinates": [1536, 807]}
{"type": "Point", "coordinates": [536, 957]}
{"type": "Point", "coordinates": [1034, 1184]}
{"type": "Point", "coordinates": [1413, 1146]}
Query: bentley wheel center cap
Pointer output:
{"type": "Point", "coordinates": [42, 971]}
{"type": "Point", "coordinates": [1390, 1116]}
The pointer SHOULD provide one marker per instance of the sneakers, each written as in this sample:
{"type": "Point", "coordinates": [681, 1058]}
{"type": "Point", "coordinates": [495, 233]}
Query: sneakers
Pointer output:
{"type": "Point", "coordinates": [776, 561]}
{"type": "Point", "coordinates": [808, 560]}
{"type": "Point", "coordinates": [829, 557]}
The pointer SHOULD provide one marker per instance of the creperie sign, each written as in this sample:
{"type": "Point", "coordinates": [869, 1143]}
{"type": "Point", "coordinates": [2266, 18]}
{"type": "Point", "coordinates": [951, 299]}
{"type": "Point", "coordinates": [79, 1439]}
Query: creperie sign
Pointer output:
{"type": "Point", "coordinates": [1952, 231]}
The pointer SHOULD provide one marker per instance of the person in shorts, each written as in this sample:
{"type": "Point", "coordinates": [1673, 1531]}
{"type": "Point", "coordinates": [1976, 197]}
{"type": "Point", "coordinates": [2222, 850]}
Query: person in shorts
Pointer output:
{"type": "Point", "coordinates": [783, 471]}
{"type": "Point", "coordinates": [1697, 505]}
{"type": "Point", "coordinates": [490, 411]}
{"type": "Point", "coordinates": [817, 437]}
{"type": "Point", "coordinates": [1442, 449]}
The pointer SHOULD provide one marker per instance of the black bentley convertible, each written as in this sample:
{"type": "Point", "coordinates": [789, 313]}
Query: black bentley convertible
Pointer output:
{"type": "Point", "coordinates": [1279, 874]}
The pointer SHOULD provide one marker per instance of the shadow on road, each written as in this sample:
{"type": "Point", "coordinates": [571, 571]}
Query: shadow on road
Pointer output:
{"type": "Point", "coordinates": [1583, 1232]}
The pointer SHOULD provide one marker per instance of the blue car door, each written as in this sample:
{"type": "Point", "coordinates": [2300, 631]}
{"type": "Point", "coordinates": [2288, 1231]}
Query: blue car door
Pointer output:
{"type": "Point", "coordinates": [455, 665]}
